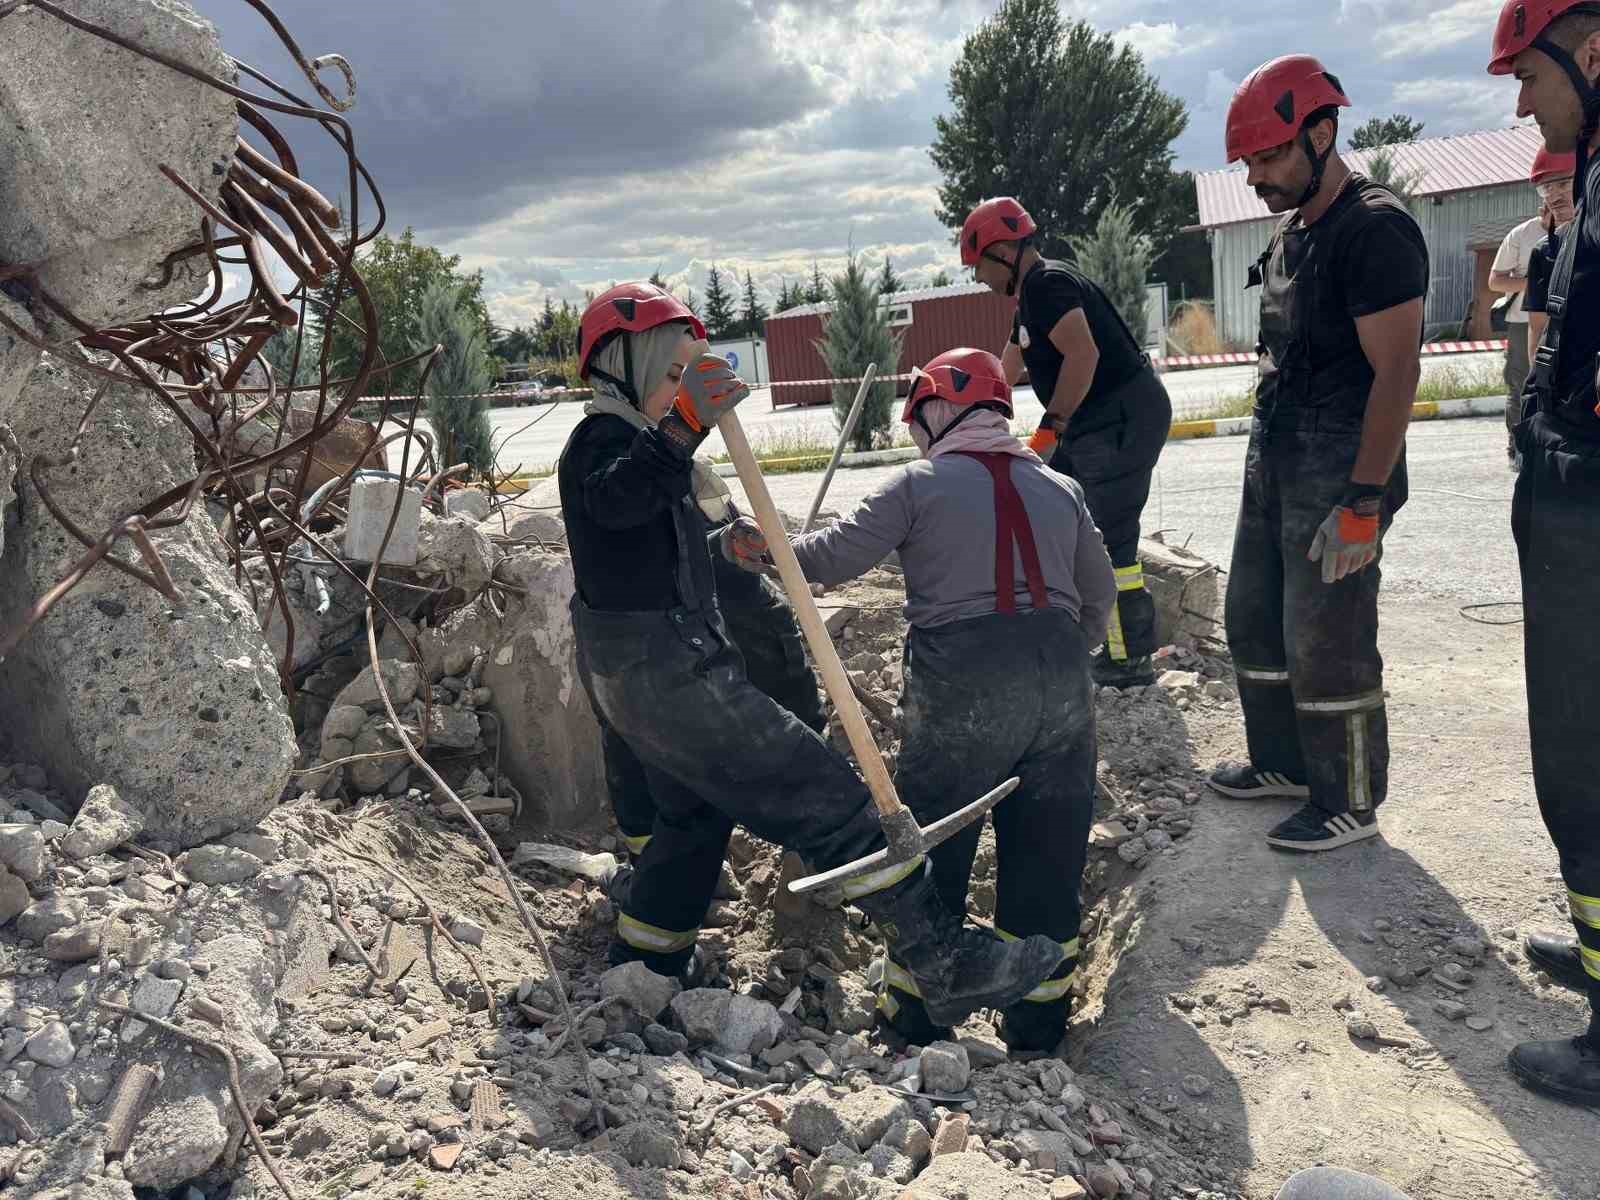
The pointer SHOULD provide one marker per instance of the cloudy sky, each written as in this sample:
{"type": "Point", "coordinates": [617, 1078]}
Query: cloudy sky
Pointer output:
{"type": "Point", "coordinates": [565, 144]}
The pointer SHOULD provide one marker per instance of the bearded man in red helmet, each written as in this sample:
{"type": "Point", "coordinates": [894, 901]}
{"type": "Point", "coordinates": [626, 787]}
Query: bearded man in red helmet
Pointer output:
{"type": "Point", "coordinates": [1106, 413]}
{"type": "Point", "coordinates": [663, 675]}
{"type": "Point", "coordinates": [1007, 588]}
{"type": "Point", "coordinates": [1552, 47]}
{"type": "Point", "coordinates": [1342, 282]}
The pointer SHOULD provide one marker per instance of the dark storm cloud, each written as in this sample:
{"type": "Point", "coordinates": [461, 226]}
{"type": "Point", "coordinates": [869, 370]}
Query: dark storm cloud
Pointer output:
{"type": "Point", "coordinates": [465, 109]}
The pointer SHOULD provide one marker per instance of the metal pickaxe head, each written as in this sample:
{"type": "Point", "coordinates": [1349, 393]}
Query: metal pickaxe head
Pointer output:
{"type": "Point", "coordinates": [907, 839]}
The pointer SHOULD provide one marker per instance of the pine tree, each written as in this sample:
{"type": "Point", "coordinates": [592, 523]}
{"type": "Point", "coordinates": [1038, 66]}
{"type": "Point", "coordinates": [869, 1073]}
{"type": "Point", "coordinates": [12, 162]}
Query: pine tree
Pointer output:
{"type": "Point", "coordinates": [854, 336]}
{"type": "Point", "coordinates": [1117, 257]}
{"type": "Point", "coordinates": [691, 301]}
{"type": "Point", "coordinates": [720, 318]}
{"type": "Point", "coordinates": [818, 292]}
{"type": "Point", "coordinates": [457, 409]}
{"type": "Point", "coordinates": [753, 316]}
{"type": "Point", "coordinates": [888, 281]}
{"type": "Point", "coordinates": [940, 279]}
{"type": "Point", "coordinates": [548, 317]}
{"type": "Point", "coordinates": [655, 278]}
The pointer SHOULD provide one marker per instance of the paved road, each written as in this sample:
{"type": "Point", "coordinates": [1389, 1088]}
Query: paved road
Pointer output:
{"type": "Point", "coordinates": [1451, 542]}
{"type": "Point", "coordinates": [539, 445]}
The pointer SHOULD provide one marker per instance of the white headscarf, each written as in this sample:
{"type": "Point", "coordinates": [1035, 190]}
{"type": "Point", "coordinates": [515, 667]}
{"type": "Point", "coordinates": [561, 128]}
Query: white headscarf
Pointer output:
{"type": "Point", "coordinates": [982, 432]}
{"type": "Point", "coordinates": [653, 351]}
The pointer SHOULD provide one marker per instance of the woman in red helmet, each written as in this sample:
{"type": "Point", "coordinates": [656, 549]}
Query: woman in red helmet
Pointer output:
{"type": "Point", "coordinates": [1106, 412]}
{"type": "Point", "coordinates": [656, 661]}
{"type": "Point", "coordinates": [1552, 48]}
{"type": "Point", "coordinates": [1007, 588]}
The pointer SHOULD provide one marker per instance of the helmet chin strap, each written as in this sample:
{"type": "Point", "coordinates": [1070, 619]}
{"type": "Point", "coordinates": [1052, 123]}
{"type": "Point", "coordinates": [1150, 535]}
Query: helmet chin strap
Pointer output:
{"type": "Point", "coordinates": [1014, 263]}
{"type": "Point", "coordinates": [1319, 163]}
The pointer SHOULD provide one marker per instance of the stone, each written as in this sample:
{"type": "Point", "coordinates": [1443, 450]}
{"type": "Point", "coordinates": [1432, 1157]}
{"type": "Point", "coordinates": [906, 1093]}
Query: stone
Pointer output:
{"type": "Point", "coordinates": [22, 850]}
{"type": "Point", "coordinates": [645, 1145]}
{"type": "Point", "coordinates": [1157, 840]}
{"type": "Point", "coordinates": [1133, 850]}
{"type": "Point", "coordinates": [263, 846]}
{"type": "Point", "coordinates": [402, 680]}
{"type": "Point", "coordinates": [74, 944]}
{"type": "Point", "coordinates": [850, 1006]}
{"type": "Point", "coordinates": [1360, 1027]}
{"type": "Point", "coordinates": [830, 1181]}
{"type": "Point", "coordinates": [179, 708]}
{"type": "Point", "coordinates": [644, 991]}
{"type": "Point", "coordinates": [1468, 946]}
{"type": "Point", "coordinates": [1036, 1142]}
{"type": "Point", "coordinates": [974, 1176]}
{"type": "Point", "coordinates": [663, 1041]}
{"type": "Point", "coordinates": [910, 1138]}
{"type": "Point", "coordinates": [1103, 1181]}
{"type": "Point", "coordinates": [215, 864]}
{"type": "Point", "coordinates": [815, 1121]}
{"type": "Point", "coordinates": [889, 1163]}
{"type": "Point", "coordinates": [1196, 1085]}
{"type": "Point", "coordinates": [1479, 1024]}
{"type": "Point", "coordinates": [457, 549]}
{"type": "Point", "coordinates": [372, 502]}
{"type": "Point", "coordinates": [739, 1166]}
{"type": "Point", "coordinates": [732, 1024]}
{"type": "Point", "coordinates": [14, 897]}
{"type": "Point", "coordinates": [982, 1053]}
{"type": "Point", "coordinates": [52, 1046]}
{"type": "Point", "coordinates": [452, 728]}
{"type": "Point", "coordinates": [1065, 1187]}
{"type": "Point", "coordinates": [1109, 834]}
{"type": "Point", "coordinates": [345, 720]}
{"type": "Point", "coordinates": [103, 822]}
{"type": "Point", "coordinates": [469, 933]}
{"type": "Point", "coordinates": [945, 1068]}
{"type": "Point", "coordinates": [1451, 1010]}
{"type": "Point", "coordinates": [1178, 681]}
{"type": "Point", "coordinates": [52, 830]}
{"type": "Point", "coordinates": [469, 503]}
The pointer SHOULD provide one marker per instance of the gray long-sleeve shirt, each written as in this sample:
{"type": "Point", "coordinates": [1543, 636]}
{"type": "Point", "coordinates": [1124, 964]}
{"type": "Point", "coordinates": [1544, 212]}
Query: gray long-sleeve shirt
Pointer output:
{"type": "Point", "coordinates": [939, 514]}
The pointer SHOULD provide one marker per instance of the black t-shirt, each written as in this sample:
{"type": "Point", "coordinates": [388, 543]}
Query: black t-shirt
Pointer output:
{"type": "Point", "coordinates": [1540, 267]}
{"type": "Point", "coordinates": [618, 490]}
{"type": "Point", "coordinates": [1049, 291]}
{"type": "Point", "coordinates": [1364, 255]}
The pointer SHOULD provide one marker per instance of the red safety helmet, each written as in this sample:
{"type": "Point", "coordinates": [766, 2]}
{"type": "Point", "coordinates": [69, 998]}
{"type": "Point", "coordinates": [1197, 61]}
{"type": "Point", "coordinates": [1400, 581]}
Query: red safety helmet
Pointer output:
{"type": "Point", "coordinates": [1272, 104]}
{"type": "Point", "coordinates": [627, 308]}
{"type": "Point", "coordinates": [1546, 164]}
{"type": "Point", "coordinates": [999, 220]}
{"type": "Point", "coordinates": [971, 379]}
{"type": "Point", "coordinates": [1522, 24]}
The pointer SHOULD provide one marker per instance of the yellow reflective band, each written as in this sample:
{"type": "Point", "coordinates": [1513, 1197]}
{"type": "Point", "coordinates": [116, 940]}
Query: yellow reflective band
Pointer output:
{"type": "Point", "coordinates": [896, 976]}
{"type": "Point", "coordinates": [1116, 644]}
{"type": "Point", "coordinates": [1584, 908]}
{"type": "Point", "coordinates": [887, 1004]}
{"type": "Point", "coordinates": [1130, 579]}
{"type": "Point", "coordinates": [865, 885]}
{"type": "Point", "coordinates": [1070, 949]}
{"type": "Point", "coordinates": [637, 844]}
{"type": "Point", "coordinates": [1261, 674]}
{"type": "Point", "coordinates": [652, 937]}
{"type": "Point", "coordinates": [1343, 704]}
{"type": "Point", "coordinates": [1591, 961]}
{"type": "Point", "coordinates": [1051, 990]}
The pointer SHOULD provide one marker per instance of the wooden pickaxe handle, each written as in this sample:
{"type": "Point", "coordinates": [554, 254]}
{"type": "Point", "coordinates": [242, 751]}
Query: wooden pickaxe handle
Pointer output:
{"type": "Point", "coordinates": [834, 678]}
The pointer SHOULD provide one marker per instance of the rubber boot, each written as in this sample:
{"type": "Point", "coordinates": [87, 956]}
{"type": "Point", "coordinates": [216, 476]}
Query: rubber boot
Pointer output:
{"type": "Point", "coordinates": [1033, 1028]}
{"type": "Point", "coordinates": [958, 970]}
{"type": "Point", "coordinates": [1127, 673]}
{"type": "Point", "coordinates": [1568, 1069]}
{"type": "Point", "coordinates": [1557, 955]}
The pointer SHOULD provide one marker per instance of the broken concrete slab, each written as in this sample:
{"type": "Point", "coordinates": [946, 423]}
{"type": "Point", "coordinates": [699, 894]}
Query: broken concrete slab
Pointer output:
{"type": "Point", "coordinates": [731, 1023]}
{"type": "Point", "coordinates": [178, 707]}
{"type": "Point", "coordinates": [372, 502]}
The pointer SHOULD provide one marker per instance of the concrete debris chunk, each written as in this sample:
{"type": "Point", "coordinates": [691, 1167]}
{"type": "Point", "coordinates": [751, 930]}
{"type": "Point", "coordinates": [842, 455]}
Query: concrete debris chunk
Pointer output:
{"type": "Point", "coordinates": [14, 897]}
{"type": "Point", "coordinates": [216, 864]}
{"type": "Point", "coordinates": [52, 1046]}
{"type": "Point", "coordinates": [732, 1024]}
{"type": "Point", "coordinates": [945, 1068]}
{"type": "Point", "coordinates": [103, 822]}
{"type": "Point", "coordinates": [644, 991]}
{"type": "Point", "coordinates": [372, 502]}
{"type": "Point", "coordinates": [22, 850]}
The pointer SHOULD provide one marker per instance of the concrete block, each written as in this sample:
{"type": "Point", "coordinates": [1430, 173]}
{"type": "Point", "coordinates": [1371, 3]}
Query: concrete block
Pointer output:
{"type": "Point", "coordinates": [371, 502]}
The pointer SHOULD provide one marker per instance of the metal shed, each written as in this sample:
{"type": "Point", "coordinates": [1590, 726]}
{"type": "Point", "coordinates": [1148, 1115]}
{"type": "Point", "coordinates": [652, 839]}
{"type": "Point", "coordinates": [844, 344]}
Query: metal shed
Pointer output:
{"type": "Point", "coordinates": [930, 320]}
{"type": "Point", "coordinates": [1464, 182]}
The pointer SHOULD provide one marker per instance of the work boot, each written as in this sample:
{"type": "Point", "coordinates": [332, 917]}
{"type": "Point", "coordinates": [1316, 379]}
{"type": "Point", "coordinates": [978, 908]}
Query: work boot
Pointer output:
{"type": "Point", "coordinates": [1123, 673]}
{"type": "Point", "coordinates": [1032, 1028]}
{"type": "Point", "coordinates": [1557, 956]}
{"type": "Point", "coordinates": [1568, 1069]}
{"type": "Point", "coordinates": [958, 970]}
{"type": "Point", "coordinates": [690, 970]}
{"type": "Point", "coordinates": [619, 886]}
{"type": "Point", "coordinates": [901, 1016]}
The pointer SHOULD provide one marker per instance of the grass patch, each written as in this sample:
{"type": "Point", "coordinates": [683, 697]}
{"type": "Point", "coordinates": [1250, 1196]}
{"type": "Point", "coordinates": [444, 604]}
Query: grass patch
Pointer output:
{"type": "Point", "coordinates": [791, 451]}
{"type": "Point", "coordinates": [1449, 382]}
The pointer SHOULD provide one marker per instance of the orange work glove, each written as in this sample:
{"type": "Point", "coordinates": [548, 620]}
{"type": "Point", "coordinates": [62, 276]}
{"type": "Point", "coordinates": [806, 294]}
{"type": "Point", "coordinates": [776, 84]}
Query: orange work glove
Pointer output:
{"type": "Point", "coordinates": [1043, 441]}
{"type": "Point", "coordinates": [1347, 539]}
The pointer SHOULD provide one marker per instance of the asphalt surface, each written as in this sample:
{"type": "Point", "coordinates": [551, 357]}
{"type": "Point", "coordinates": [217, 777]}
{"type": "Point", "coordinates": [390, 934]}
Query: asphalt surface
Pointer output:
{"type": "Point", "coordinates": [533, 436]}
{"type": "Point", "coordinates": [1452, 541]}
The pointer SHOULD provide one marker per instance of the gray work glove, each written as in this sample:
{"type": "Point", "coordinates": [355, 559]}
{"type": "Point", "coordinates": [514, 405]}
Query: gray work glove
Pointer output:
{"type": "Point", "coordinates": [708, 391]}
{"type": "Point", "coordinates": [1347, 539]}
{"type": "Point", "coordinates": [745, 546]}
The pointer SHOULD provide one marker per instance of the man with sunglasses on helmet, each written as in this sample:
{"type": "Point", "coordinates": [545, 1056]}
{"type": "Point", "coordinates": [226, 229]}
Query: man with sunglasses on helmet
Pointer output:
{"type": "Point", "coordinates": [1552, 48]}
{"type": "Point", "coordinates": [1106, 413]}
{"type": "Point", "coordinates": [1343, 282]}
{"type": "Point", "coordinates": [1007, 588]}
